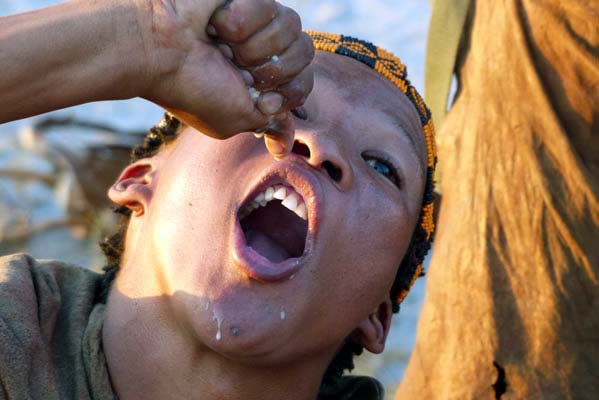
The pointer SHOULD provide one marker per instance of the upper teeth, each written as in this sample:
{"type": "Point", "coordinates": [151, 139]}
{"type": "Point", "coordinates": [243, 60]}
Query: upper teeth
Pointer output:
{"type": "Point", "coordinates": [290, 199]}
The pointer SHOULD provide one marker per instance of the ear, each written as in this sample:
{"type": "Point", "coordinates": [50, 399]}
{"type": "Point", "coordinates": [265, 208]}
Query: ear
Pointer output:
{"type": "Point", "coordinates": [134, 188]}
{"type": "Point", "coordinates": [372, 332]}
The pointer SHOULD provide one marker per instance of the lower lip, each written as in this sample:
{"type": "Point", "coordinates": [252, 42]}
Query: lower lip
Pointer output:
{"type": "Point", "coordinates": [258, 267]}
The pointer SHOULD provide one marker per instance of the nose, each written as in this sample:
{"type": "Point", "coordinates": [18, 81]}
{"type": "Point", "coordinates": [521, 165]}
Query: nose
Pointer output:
{"type": "Point", "coordinates": [325, 154]}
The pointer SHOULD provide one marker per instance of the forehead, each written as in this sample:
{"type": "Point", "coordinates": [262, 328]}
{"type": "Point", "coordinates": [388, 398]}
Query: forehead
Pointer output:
{"type": "Point", "coordinates": [365, 89]}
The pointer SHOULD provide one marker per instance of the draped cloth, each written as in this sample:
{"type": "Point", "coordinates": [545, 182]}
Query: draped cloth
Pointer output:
{"type": "Point", "coordinates": [513, 287]}
{"type": "Point", "coordinates": [50, 332]}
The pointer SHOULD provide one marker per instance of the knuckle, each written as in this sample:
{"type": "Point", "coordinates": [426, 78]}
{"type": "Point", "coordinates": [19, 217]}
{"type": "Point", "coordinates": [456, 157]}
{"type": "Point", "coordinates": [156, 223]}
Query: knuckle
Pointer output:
{"type": "Point", "coordinates": [294, 96]}
{"type": "Point", "coordinates": [243, 56]}
{"type": "Point", "coordinates": [232, 24]}
{"type": "Point", "coordinates": [307, 46]}
{"type": "Point", "coordinates": [252, 53]}
{"type": "Point", "coordinates": [300, 88]}
{"type": "Point", "coordinates": [235, 32]}
{"type": "Point", "coordinates": [267, 74]}
{"type": "Point", "coordinates": [277, 40]}
{"type": "Point", "coordinates": [294, 21]}
{"type": "Point", "coordinates": [270, 8]}
{"type": "Point", "coordinates": [244, 18]}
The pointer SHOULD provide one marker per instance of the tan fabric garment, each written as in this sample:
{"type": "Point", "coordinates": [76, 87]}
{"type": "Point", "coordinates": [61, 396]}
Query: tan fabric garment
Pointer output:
{"type": "Point", "coordinates": [444, 36]}
{"type": "Point", "coordinates": [512, 299]}
{"type": "Point", "coordinates": [50, 332]}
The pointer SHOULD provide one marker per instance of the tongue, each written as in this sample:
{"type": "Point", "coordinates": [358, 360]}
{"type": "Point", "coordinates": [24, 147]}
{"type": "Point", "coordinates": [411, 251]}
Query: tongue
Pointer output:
{"type": "Point", "coordinates": [265, 246]}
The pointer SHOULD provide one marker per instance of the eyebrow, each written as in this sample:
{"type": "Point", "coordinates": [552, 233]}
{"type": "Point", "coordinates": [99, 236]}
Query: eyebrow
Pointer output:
{"type": "Point", "coordinates": [404, 130]}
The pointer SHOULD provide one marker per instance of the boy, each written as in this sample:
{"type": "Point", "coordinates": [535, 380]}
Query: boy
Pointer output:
{"type": "Point", "coordinates": [240, 275]}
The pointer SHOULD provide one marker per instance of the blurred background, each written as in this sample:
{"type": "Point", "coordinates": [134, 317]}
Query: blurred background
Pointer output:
{"type": "Point", "coordinates": [55, 168]}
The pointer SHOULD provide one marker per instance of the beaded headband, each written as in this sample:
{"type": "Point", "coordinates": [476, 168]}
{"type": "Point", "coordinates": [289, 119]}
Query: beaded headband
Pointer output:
{"type": "Point", "coordinates": [392, 68]}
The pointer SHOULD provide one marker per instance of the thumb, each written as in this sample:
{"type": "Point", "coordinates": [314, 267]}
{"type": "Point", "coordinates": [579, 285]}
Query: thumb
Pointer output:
{"type": "Point", "coordinates": [279, 135]}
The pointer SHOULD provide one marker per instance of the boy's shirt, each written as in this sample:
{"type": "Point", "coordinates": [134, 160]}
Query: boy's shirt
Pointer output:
{"type": "Point", "coordinates": [50, 332]}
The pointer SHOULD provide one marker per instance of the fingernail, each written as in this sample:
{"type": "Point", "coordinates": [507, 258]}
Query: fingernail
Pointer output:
{"type": "Point", "coordinates": [270, 103]}
{"type": "Point", "coordinates": [226, 50]}
{"type": "Point", "coordinates": [211, 30]}
{"type": "Point", "coordinates": [247, 77]}
{"type": "Point", "coordinates": [276, 149]}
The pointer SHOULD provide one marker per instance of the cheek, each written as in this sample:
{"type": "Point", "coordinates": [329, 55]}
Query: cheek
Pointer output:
{"type": "Point", "coordinates": [385, 226]}
{"type": "Point", "coordinates": [182, 224]}
{"type": "Point", "coordinates": [192, 208]}
{"type": "Point", "coordinates": [196, 181]}
{"type": "Point", "coordinates": [370, 245]}
{"type": "Point", "coordinates": [379, 250]}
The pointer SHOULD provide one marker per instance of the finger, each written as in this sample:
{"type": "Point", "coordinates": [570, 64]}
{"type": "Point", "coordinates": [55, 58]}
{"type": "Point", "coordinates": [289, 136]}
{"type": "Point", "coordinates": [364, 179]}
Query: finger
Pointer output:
{"type": "Point", "coordinates": [285, 67]}
{"type": "Point", "coordinates": [273, 39]}
{"type": "Point", "coordinates": [247, 77]}
{"type": "Point", "coordinates": [240, 19]}
{"type": "Point", "coordinates": [270, 103]}
{"type": "Point", "coordinates": [280, 135]}
{"type": "Point", "coordinates": [226, 51]}
{"type": "Point", "coordinates": [287, 97]}
{"type": "Point", "coordinates": [296, 91]}
{"type": "Point", "coordinates": [210, 30]}
{"type": "Point", "coordinates": [218, 123]}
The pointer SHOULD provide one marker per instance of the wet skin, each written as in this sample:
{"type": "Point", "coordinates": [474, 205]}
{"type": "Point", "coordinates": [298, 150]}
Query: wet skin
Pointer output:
{"type": "Point", "coordinates": [180, 279]}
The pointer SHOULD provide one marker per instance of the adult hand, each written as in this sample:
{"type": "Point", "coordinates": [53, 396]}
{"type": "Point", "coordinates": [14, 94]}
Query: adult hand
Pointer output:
{"type": "Point", "coordinates": [227, 67]}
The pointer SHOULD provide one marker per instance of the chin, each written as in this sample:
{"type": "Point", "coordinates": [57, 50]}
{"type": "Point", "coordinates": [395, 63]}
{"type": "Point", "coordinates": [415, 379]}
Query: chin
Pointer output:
{"type": "Point", "coordinates": [249, 325]}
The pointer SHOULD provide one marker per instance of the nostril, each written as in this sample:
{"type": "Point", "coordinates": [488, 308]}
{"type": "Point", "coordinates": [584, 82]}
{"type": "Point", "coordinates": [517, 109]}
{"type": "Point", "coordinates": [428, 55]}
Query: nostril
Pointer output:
{"type": "Point", "coordinates": [334, 172]}
{"type": "Point", "coordinates": [301, 149]}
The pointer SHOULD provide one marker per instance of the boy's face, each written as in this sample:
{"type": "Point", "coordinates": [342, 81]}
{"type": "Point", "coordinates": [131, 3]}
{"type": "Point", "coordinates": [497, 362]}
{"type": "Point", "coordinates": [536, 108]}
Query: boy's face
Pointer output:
{"type": "Point", "coordinates": [247, 278]}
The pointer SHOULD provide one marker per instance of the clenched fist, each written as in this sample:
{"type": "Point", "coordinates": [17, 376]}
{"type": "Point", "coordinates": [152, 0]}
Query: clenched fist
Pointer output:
{"type": "Point", "coordinates": [227, 67]}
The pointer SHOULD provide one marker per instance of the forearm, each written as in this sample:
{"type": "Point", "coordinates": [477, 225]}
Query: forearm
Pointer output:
{"type": "Point", "coordinates": [72, 53]}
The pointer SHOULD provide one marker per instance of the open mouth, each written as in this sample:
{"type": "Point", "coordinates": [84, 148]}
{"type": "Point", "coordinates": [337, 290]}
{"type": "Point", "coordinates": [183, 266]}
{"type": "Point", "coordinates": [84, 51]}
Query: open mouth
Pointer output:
{"type": "Point", "coordinates": [275, 223]}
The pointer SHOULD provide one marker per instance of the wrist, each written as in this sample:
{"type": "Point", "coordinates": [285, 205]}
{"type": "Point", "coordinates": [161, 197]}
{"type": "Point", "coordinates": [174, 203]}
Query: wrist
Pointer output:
{"type": "Point", "coordinates": [128, 48]}
{"type": "Point", "coordinates": [68, 54]}
{"type": "Point", "coordinates": [159, 48]}
{"type": "Point", "coordinates": [115, 48]}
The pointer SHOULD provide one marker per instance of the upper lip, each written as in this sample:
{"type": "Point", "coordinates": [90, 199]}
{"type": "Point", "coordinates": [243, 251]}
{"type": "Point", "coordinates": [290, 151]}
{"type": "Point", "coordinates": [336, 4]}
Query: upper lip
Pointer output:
{"type": "Point", "coordinates": [297, 174]}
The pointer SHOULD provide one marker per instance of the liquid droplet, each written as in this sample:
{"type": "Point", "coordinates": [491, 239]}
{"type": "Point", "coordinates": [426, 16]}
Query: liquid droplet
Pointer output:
{"type": "Point", "coordinates": [254, 94]}
{"type": "Point", "coordinates": [282, 315]}
{"type": "Point", "coordinates": [218, 325]}
{"type": "Point", "coordinates": [219, 322]}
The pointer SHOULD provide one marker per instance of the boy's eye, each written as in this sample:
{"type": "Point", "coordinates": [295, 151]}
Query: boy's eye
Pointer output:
{"type": "Point", "coordinates": [384, 168]}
